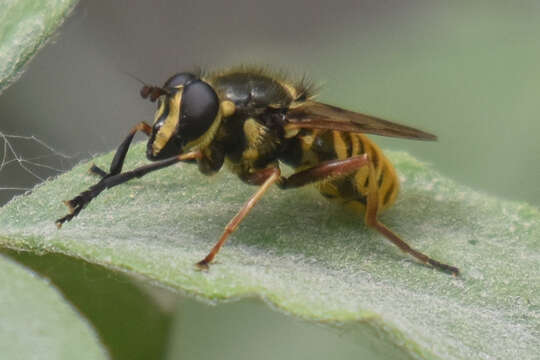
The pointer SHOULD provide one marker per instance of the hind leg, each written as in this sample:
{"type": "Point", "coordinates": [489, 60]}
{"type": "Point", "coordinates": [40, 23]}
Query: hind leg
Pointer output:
{"type": "Point", "coordinates": [372, 205]}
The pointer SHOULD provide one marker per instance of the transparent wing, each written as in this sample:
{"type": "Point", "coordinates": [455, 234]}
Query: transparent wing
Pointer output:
{"type": "Point", "coordinates": [315, 115]}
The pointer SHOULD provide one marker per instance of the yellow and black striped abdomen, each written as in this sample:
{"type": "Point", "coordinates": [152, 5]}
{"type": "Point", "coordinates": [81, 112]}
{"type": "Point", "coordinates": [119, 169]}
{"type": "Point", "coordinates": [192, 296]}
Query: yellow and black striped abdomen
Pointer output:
{"type": "Point", "coordinates": [319, 146]}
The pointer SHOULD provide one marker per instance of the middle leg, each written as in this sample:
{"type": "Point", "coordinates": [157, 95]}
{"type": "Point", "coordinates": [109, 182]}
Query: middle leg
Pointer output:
{"type": "Point", "coordinates": [265, 178]}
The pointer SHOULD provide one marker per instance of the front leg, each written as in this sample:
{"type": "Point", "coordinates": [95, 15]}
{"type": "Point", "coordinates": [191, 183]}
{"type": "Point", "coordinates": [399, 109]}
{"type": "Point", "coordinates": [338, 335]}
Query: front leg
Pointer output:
{"type": "Point", "coordinates": [76, 204]}
{"type": "Point", "coordinates": [120, 155]}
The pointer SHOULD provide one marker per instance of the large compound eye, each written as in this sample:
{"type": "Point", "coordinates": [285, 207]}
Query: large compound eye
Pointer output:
{"type": "Point", "coordinates": [180, 79]}
{"type": "Point", "coordinates": [198, 110]}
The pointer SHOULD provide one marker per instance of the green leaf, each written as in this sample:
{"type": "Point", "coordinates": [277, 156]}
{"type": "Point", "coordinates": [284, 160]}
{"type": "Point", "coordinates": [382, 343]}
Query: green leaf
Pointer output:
{"type": "Point", "coordinates": [37, 323]}
{"type": "Point", "coordinates": [310, 257]}
{"type": "Point", "coordinates": [25, 26]}
{"type": "Point", "coordinates": [131, 317]}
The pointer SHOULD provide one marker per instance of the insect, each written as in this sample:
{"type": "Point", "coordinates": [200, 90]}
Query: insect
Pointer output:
{"type": "Point", "coordinates": [253, 120]}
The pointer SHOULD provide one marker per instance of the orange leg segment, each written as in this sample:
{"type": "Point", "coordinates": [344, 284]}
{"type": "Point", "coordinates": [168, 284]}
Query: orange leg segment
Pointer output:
{"type": "Point", "coordinates": [273, 177]}
{"type": "Point", "coordinates": [267, 177]}
{"type": "Point", "coordinates": [372, 204]}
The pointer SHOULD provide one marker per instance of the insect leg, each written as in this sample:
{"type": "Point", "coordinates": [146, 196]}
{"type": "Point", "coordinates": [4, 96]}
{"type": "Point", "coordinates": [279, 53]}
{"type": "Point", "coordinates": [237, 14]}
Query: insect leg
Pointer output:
{"type": "Point", "coordinates": [325, 170]}
{"type": "Point", "coordinates": [372, 204]}
{"type": "Point", "coordinates": [120, 155]}
{"type": "Point", "coordinates": [267, 177]}
{"type": "Point", "coordinates": [76, 204]}
{"type": "Point", "coordinates": [273, 176]}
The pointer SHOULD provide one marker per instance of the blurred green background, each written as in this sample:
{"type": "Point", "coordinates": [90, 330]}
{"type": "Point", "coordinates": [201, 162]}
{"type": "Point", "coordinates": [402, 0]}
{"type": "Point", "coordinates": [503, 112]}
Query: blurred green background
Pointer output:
{"type": "Point", "coordinates": [466, 71]}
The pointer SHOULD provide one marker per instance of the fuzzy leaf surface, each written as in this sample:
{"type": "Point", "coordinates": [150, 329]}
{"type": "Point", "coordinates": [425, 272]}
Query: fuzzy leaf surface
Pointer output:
{"type": "Point", "coordinates": [310, 257]}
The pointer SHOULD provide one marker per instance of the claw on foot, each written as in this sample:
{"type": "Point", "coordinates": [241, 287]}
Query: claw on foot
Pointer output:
{"type": "Point", "coordinates": [69, 206]}
{"type": "Point", "coordinates": [74, 207]}
{"type": "Point", "coordinates": [443, 267]}
{"type": "Point", "coordinates": [202, 265]}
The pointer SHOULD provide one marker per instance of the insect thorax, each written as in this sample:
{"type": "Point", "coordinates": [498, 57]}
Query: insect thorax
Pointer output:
{"type": "Point", "coordinates": [252, 137]}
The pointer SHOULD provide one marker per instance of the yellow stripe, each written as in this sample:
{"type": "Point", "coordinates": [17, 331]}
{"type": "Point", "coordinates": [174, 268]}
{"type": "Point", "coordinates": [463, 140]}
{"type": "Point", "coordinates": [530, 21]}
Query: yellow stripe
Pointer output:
{"type": "Point", "coordinates": [159, 111]}
{"type": "Point", "coordinates": [355, 145]}
{"type": "Point", "coordinates": [339, 145]}
{"type": "Point", "coordinates": [307, 140]}
{"type": "Point", "coordinates": [390, 181]}
{"type": "Point", "coordinates": [390, 184]}
{"type": "Point", "coordinates": [290, 89]}
{"type": "Point", "coordinates": [170, 123]}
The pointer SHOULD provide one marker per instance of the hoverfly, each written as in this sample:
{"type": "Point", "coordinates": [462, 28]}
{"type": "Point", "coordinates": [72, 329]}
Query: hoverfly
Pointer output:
{"type": "Point", "coordinates": [253, 120]}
